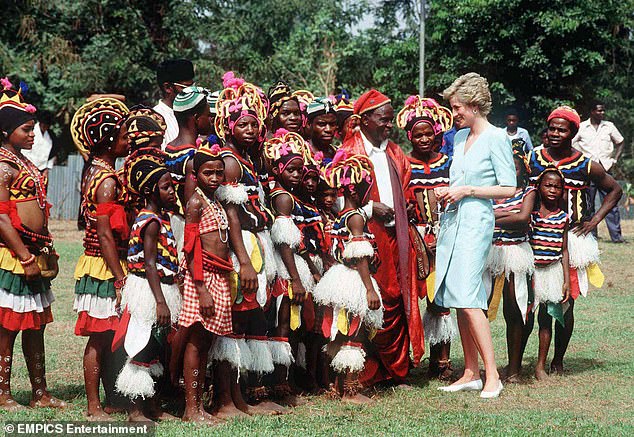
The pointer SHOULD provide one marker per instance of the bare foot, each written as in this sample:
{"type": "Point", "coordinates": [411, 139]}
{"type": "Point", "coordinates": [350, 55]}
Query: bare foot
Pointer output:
{"type": "Point", "coordinates": [10, 404]}
{"type": "Point", "coordinates": [48, 401]}
{"type": "Point", "coordinates": [540, 374]}
{"type": "Point", "coordinates": [272, 406]}
{"type": "Point", "coordinates": [557, 369]}
{"type": "Point", "coordinates": [403, 386]}
{"type": "Point", "coordinates": [292, 401]}
{"type": "Point", "coordinates": [161, 415]}
{"type": "Point", "coordinates": [109, 409]}
{"type": "Point", "coordinates": [97, 415]}
{"type": "Point", "coordinates": [260, 410]}
{"type": "Point", "coordinates": [512, 379]}
{"type": "Point", "coordinates": [229, 411]}
{"type": "Point", "coordinates": [138, 417]}
{"type": "Point", "coordinates": [358, 399]}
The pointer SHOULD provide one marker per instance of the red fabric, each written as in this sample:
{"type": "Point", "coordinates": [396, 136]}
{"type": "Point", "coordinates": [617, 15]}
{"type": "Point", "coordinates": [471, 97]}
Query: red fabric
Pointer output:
{"type": "Point", "coordinates": [418, 289]}
{"type": "Point", "coordinates": [280, 287]}
{"type": "Point", "coordinates": [193, 247]}
{"type": "Point", "coordinates": [118, 219]}
{"type": "Point", "coordinates": [121, 330]}
{"type": "Point", "coordinates": [355, 323]}
{"type": "Point", "coordinates": [326, 323]}
{"type": "Point", "coordinates": [575, 291]}
{"type": "Point", "coordinates": [567, 113]}
{"type": "Point", "coordinates": [8, 207]}
{"type": "Point", "coordinates": [391, 342]}
{"type": "Point", "coordinates": [308, 313]}
{"type": "Point", "coordinates": [370, 100]}
{"type": "Point", "coordinates": [13, 321]}
{"type": "Point", "coordinates": [87, 325]}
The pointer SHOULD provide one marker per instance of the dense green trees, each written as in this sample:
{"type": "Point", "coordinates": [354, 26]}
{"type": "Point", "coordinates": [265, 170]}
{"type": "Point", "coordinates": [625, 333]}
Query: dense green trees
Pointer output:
{"type": "Point", "coordinates": [535, 53]}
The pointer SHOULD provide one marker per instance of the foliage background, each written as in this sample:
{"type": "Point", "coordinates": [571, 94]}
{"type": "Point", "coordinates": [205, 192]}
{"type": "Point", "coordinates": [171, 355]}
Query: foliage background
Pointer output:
{"type": "Point", "coordinates": [535, 53]}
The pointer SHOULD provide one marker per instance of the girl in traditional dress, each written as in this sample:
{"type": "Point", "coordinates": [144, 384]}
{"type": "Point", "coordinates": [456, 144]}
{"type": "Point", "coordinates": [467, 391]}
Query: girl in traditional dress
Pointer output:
{"type": "Point", "coordinates": [151, 298]}
{"type": "Point", "coordinates": [350, 294]}
{"type": "Point", "coordinates": [510, 264]}
{"type": "Point", "coordinates": [425, 121]}
{"type": "Point", "coordinates": [549, 241]}
{"type": "Point", "coordinates": [288, 108]}
{"type": "Point", "coordinates": [101, 270]}
{"type": "Point", "coordinates": [286, 151]}
{"type": "Point", "coordinates": [28, 261]}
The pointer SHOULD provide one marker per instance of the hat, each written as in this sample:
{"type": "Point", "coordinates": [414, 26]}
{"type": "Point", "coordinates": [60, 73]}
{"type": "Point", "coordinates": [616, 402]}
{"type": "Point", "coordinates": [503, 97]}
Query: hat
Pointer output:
{"type": "Point", "coordinates": [189, 98]}
{"type": "Point", "coordinates": [144, 168]}
{"type": "Point", "coordinates": [284, 147]}
{"type": "Point", "coordinates": [14, 111]}
{"type": "Point", "coordinates": [370, 101]}
{"type": "Point", "coordinates": [320, 106]}
{"type": "Point", "coordinates": [418, 110]}
{"type": "Point", "coordinates": [239, 99]}
{"type": "Point", "coordinates": [212, 98]}
{"type": "Point", "coordinates": [97, 123]}
{"type": "Point", "coordinates": [567, 113]}
{"type": "Point", "coordinates": [174, 70]}
{"type": "Point", "coordinates": [208, 150]}
{"type": "Point", "coordinates": [281, 93]}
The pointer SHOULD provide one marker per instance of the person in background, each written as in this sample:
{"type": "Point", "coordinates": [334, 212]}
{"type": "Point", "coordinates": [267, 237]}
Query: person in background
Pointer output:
{"type": "Point", "coordinates": [513, 130]}
{"type": "Point", "coordinates": [543, 136]}
{"type": "Point", "coordinates": [602, 142]}
{"type": "Point", "coordinates": [447, 142]}
{"type": "Point", "coordinates": [172, 76]}
{"type": "Point", "coordinates": [45, 150]}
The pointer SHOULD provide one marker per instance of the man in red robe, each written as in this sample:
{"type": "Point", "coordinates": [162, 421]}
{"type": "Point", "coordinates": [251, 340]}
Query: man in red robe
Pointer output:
{"type": "Point", "coordinates": [389, 361]}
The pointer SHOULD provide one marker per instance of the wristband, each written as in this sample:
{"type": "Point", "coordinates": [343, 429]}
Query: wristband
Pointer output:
{"type": "Point", "coordinates": [27, 262]}
{"type": "Point", "coordinates": [120, 283]}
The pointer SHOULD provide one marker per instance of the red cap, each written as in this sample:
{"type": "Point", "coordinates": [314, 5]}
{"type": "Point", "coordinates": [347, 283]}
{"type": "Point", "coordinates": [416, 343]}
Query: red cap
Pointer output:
{"type": "Point", "coordinates": [567, 113]}
{"type": "Point", "coordinates": [369, 101]}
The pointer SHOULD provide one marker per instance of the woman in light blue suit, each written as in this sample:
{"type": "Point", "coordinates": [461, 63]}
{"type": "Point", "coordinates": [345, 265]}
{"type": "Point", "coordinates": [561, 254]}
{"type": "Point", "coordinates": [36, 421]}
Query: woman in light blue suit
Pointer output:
{"type": "Point", "coordinates": [482, 170]}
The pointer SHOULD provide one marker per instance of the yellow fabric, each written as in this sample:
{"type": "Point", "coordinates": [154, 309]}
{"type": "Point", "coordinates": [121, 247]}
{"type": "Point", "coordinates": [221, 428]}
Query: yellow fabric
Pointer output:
{"type": "Point", "coordinates": [342, 322]}
{"type": "Point", "coordinates": [595, 275]}
{"type": "Point", "coordinates": [256, 254]}
{"type": "Point", "coordinates": [95, 267]}
{"type": "Point", "coordinates": [497, 296]}
{"type": "Point", "coordinates": [12, 264]}
{"type": "Point", "coordinates": [430, 282]}
{"type": "Point", "coordinates": [372, 333]}
{"type": "Point", "coordinates": [295, 309]}
{"type": "Point", "coordinates": [233, 285]}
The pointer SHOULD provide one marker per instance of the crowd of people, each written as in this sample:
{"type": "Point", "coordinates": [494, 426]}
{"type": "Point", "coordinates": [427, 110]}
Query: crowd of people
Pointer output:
{"type": "Point", "coordinates": [255, 247]}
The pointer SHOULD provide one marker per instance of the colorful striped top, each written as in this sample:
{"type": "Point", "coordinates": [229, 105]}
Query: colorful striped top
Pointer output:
{"type": "Point", "coordinates": [250, 179]}
{"type": "Point", "coordinates": [166, 252]}
{"type": "Point", "coordinates": [176, 163]}
{"type": "Point", "coordinates": [513, 204]}
{"type": "Point", "coordinates": [425, 177]}
{"type": "Point", "coordinates": [341, 235]}
{"type": "Point", "coordinates": [547, 236]}
{"type": "Point", "coordinates": [312, 229]}
{"type": "Point", "coordinates": [576, 171]}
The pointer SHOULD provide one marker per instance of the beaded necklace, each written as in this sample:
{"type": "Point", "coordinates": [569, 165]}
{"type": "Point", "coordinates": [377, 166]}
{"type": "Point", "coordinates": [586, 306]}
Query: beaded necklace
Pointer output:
{"type": "Point", "coordinates": [219, 215]}
{"type": "Point", "coordinates": [33, 171]}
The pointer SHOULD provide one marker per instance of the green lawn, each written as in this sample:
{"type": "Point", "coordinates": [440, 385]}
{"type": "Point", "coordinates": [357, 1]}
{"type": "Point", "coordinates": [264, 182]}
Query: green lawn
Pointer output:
{"type": "Point", "coordinates": [596, 397]}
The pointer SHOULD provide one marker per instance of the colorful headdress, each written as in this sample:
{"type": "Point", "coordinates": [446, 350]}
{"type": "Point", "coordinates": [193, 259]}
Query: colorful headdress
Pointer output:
{"type": "Point", "coordinates": [567, 113]}
{"type": "Point", "coordinates": [97, 123]}
{"type": "Point", "coordinates": [344, 107]}
{"type": "Point", "coordinates": [14, 111]}
{"type": "Point", "coordinates": [550, 169]}
{"type": "Point", "coordinates": [350, 173]}
{"type": "Point", "coordinates": [284, 147]}
{"type": "Point", "coordinates": [237, 100]}
{"type": "Point", "coordinates": [142, 125]}
{"type": "Point", "coordinates": [143, 169]}
{"type": "Point", "coordinates": [281, 92]}
{"type": "Point", "coordinates": [209, 149]}
{"type": "Point", "coordinates": [320, 106]}
{"type": "Point", "coordinates": [369, 101]}
{"type": "Point", "coordinates": [423, 110]}
{"type": "Point", "coordinates": [189, 98]}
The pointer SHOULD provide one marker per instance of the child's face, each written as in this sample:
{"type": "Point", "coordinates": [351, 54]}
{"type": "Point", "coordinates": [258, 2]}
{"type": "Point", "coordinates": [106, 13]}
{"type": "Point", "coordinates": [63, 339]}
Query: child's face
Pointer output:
{"type": "Point", "coordinates": [291, 176]}
{"type": "Point", "coordinates": [551, 187]}
{"type": "Point", "coordinates": [167, 193]}
{"type": "Point", "coordinates": [211, 174]}
{"type": "Point", "coordinates": [310, 183]}
{"type": "Point", "coordinates": [328, 198]}
{"type": "Point", "coordinates": [246, 131]}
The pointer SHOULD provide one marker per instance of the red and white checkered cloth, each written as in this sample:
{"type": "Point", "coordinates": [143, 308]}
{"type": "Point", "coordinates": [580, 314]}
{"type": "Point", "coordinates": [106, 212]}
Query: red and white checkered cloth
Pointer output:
{"type": "Point", "coordinates": [218, 285]}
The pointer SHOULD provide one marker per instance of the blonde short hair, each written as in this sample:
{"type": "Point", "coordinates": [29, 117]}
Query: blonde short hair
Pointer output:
{"type": "Point", "coordinates": [471, 89]}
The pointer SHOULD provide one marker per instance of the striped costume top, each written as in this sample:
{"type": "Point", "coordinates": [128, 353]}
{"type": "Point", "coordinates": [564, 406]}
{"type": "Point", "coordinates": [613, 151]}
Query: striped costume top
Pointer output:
{"type": "Point", "coordinates": [29, 184]}
{"type": "Point", "coordinates": [166, 252]}
{"type": "Point", "coordinates": [512, 204]}
{"type": "Point", "coordinates": [176, 162]}
{"type": "Point", "coordinates": [312, 229]}
{"type": "Point", "coordinates": [425, 177]}
{"type": "Point", "coordinates": [547, 236]}
{"type": "Point", "coordinates": [88, 209]}
{"type": "Point", "coordinates": [576, 171]}
{"type": "Point", "coordinates": [341, 235]}
{"type": "Point", "coordinates": [261, 218]}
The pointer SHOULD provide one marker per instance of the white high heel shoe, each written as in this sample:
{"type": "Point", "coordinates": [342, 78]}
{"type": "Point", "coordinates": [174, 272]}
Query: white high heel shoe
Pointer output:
{"type": "Point", "coordinates": [474, 385]}
{"type": "Point", "coordinates": [492, 394]}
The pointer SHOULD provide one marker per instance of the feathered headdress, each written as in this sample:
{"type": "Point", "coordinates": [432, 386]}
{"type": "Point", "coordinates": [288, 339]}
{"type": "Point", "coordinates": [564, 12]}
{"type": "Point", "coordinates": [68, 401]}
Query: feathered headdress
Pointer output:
{"type": "Point", "coordinates": [284, 147]}
{"type": "Point", "coordinates": [14, 111]}
{"type": "Point", "coordinates": [239, 99]}
{"type": "Point", "coordinates": [422, 110]}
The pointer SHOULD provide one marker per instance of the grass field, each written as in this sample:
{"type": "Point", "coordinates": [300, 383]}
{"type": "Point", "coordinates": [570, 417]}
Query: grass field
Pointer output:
{"type": "Point", "coordinates": [595, 397]}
